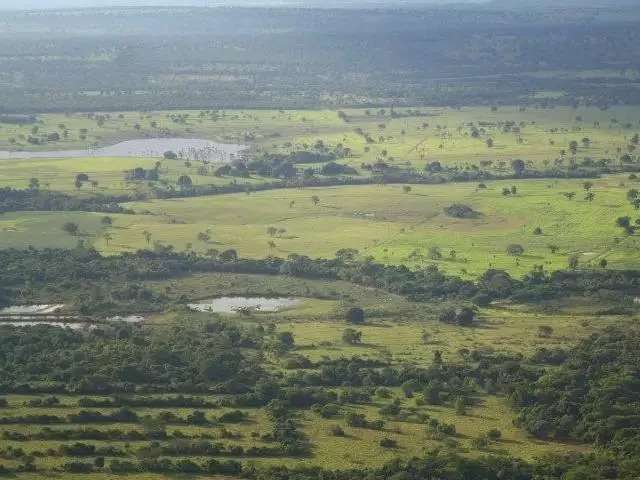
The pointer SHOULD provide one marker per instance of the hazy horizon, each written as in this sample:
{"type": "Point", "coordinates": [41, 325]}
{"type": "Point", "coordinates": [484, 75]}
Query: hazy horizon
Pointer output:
{"type": "Point", "coordinates": [61, 4]}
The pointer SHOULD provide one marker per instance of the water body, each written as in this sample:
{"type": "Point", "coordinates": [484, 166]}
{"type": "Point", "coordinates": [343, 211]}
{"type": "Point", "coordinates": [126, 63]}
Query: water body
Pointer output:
{"type": "Point", "coordinates": [33, 315]}
{"type": "Point", "coordinates": [32, 323]}
{"type": "Point", "coordinates": [233, 304]}
{"type": "Point", "coordinates": [186, 148]}
{"type": "Point", "coordinates": [30, 309]}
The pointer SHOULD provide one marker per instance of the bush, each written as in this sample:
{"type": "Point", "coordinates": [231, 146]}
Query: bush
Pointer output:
{"type": "Point", "coordinates": [355, 315]}
{"type": "Point", "coordinates": [388, 443]}
{"type": "Point", "coordinates": [515, 249]}
{"type": "Point", "coordinates": [460, 210]}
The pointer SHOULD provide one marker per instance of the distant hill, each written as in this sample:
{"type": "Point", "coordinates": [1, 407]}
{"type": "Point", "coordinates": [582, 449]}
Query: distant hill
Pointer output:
{"type": "Point", "coordinates": [59, 4]}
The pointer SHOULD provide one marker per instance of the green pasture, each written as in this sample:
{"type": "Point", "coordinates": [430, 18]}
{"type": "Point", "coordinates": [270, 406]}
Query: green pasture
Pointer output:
{"type": "Point", "coordinates": [536, 135]}
{"type": "Point", "coordinates": [384, 222]}
{"type": "Point", "coordinates": [400, 228]}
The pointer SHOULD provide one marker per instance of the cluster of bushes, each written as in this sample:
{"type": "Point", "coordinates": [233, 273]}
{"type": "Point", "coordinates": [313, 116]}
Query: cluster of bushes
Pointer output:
{"type": "Point", "coordinates": [12, 200]}
{"type": "Point", "coordinates": [176, 401]}
{"type": "Point", "coordinates": [204, 448]}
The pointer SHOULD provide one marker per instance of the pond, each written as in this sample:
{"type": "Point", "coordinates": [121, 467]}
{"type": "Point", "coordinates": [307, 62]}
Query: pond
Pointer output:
{"type": "Point", "coordinates": [45, 314]}
{"type": "Point", "coordinates": [32, 323]}
{"type": "Point", "coordinates": [186, 148]}
{"type": "Point", "coordinates": [31, 309]}
{"type": "Point", "coordinates": [235, 304]}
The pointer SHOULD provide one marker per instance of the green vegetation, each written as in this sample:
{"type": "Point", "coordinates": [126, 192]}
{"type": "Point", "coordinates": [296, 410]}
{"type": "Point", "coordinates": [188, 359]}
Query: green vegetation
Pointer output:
{"type": "Point", "coordinates": [423, 265]}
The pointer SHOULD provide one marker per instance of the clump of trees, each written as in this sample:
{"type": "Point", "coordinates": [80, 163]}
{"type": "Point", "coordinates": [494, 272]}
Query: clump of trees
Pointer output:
{"type": "Point", "coordinates": [460, 210]}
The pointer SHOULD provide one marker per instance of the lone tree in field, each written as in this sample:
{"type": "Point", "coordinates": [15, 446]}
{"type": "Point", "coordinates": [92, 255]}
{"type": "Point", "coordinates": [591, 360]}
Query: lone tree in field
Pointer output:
{"type": "Point", "coordinates": [34, 184]}
{"type": "Point", "coordinates": [147, 236]}
{"type": "Point", "coordinates": [351, 336]}
{"type": "Point", "coordinates": [406, 189]}
{"type": "Point", "coordinates": [355, 315]}
{"type": "Point", "coordinates": [515, 249]}
{"type": "Point", "coordinates": [545, 331]}
{"type": "Point", "coordinates": [603, 263]}
{"type": "Point", "coordinates": [107, 237]}
{"type": "Point", "coordinates": [315, 199]}
{"type": "Point", "coordinates": [71, 228]}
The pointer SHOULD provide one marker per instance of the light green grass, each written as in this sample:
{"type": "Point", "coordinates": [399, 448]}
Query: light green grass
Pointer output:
{"type": "Point", "coordinates": [399, 228]}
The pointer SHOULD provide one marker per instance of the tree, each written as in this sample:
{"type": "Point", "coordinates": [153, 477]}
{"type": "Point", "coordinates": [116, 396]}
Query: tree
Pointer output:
{"type": "Point", "coordinates": [461, 408]}
{"type": "Point", "coordinates": [490, 142]}
{"type": "Point", "coordinates": [271, 231]}
{"type": "Point", "coordinates": [355, 315]}
{"type": "Point", "coordinates": [573, 262]}
{"type": "Point", "coordinates": [545, 331]}
{"type": "Point", "coordinates": [229, 255]}
{"type": "Point", "coordinates": [351, 336]}
{"type": "Point", "coordinates": [553, 248]}
{"type": "Point", "coordinates": [107, 237]}
{"type": "Point", "coordinates": [285, 340]}
{"type": "Point", "coordinates": [387, 442]}
{"type": "Point", "coordinates": [515, 249]}
{"type": "Point", "coordinates": [518, 166]}
{"type": "Point", "coordinates": [315, 199]}
{"type": "Point", "coordinates": [147, 236]}
{"type": "Point", "coordinates": [185, 182]}
{"type": "Point", "coordinates": [34, 184]}
{"type": "Point", "coordinates": [406, 188]}
{"type": "Point", "coordinates": [590, 196]}
{"type": "Point", "coordinates": [625, 223]}
{"type": "Point", "coordinates": [169, 155]}
{"type": "Point", "coordinates": [71, 228]}
{"type": "Point", "coordinates": [573, 147]}
{"type": "Point", "coordinates": [434, 253]}
{"type": "Point", "coordinates": [106, 220]}
{"type": "Point", "coordinates": [603, 263]}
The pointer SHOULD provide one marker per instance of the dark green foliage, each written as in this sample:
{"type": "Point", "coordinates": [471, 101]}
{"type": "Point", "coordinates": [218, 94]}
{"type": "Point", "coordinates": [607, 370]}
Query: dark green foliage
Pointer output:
{"type": "Point", "coordinates": [459, 210]}
{"type": "Point", "coordinates": [593, 397]}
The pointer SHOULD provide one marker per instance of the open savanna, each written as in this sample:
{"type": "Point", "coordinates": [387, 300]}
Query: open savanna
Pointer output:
{"type": "Point", "coordinates": [392, 226]}
{"type": "Point", "coordinates": [411, 136]}
{"type": "Point", "coordinates": [380, 221]}
{"type": "Point", "coordinates": [110, 174]}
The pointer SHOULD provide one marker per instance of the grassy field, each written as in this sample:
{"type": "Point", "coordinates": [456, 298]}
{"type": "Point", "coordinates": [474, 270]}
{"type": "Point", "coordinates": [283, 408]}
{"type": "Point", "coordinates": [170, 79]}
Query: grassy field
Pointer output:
{"type": "Point", "coordinates": [392, 224]}
{"type": "Point", "coordinates": [536, 135]}
{"type": "Point", "coordinates": [385, 222]}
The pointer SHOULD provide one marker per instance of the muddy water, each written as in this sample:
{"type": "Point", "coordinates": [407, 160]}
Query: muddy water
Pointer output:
{"type": "Point", "coordinates": [186, 148]}
{"type": "Point", "coordinates": [233, 304]}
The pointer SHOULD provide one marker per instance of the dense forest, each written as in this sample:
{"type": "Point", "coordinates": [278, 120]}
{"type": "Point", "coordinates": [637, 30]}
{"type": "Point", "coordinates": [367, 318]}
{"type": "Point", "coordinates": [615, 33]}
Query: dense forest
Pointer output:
{"type": "Point", "coordinates": [203, 58]}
